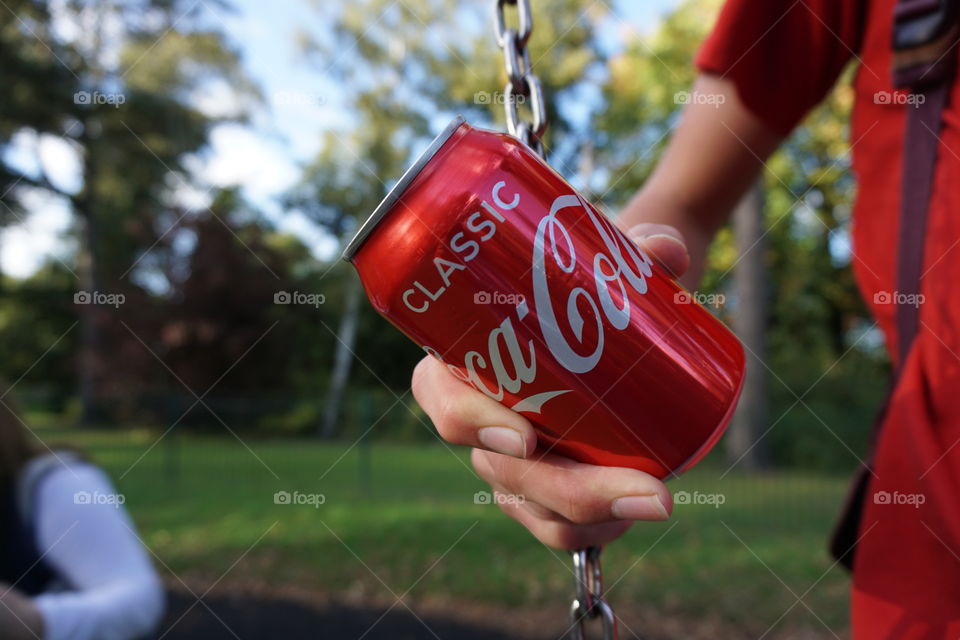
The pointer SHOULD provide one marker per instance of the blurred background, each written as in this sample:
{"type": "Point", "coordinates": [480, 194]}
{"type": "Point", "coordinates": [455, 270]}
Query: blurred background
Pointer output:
{"type": "Point", "coordinates": [177, 179]}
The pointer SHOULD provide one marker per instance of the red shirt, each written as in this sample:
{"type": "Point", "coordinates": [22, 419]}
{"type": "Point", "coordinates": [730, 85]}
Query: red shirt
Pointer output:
{"type": "Point", "coordinates": [784, 56]}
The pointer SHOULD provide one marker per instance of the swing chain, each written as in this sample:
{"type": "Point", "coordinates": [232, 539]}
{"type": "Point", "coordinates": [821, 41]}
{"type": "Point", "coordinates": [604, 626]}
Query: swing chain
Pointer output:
{"type": "Point", "coordinates": [522, 84]}
{"type": "Point", "coordinates": [589, 603]}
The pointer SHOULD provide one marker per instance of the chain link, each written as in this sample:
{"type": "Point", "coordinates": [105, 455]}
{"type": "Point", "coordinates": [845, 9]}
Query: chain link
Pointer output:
{"type": "Point", "coordinates": [522, 85]}
{"type": "Point", "coordinates": [589, 603]}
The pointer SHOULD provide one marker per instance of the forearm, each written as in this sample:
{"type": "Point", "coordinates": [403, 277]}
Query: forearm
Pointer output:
{"type": "Point", "coordinates": [123, 609]}
{"type": "Point", "coordinates": [115, 594]}
{"type": "Point", "coordinates": [714, 156]}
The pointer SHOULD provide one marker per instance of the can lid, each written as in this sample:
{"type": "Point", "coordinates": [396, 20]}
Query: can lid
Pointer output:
{"type": "Point", "coordinates": [397, 191]}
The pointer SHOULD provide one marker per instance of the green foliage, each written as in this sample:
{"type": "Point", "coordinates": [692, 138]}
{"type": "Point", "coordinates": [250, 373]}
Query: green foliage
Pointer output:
{"type": "Point", "coordinates": [36, 317]}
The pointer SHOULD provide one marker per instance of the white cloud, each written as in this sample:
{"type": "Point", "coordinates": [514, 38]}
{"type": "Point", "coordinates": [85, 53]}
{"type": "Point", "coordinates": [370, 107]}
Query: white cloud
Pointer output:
{"type": "Point", "coordinates": [62, 163]}
{"type": "Point", "coordinates": [25, 247]}
{"type": "Point", "coordinates": [240, 156]}
{"type": "Point", "coordinates": [217, 99]}
{"type": "Point", "coordinates": [322, 245]}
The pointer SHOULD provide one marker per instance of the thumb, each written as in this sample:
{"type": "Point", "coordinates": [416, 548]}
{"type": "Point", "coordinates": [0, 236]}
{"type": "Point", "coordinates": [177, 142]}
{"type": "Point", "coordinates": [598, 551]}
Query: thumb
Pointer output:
{"type": "Point", "coordinates": [664, 244]}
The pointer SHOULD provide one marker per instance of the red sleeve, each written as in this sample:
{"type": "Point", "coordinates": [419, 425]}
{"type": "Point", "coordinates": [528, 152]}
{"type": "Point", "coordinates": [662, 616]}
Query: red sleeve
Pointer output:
{"type": "Point", "coordinates": [783, 55]}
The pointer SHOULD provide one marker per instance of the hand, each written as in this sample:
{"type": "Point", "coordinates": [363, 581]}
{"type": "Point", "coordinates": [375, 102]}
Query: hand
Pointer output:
{"type": "Point", "coordinates": [568, 504]}
{"type": "Point", "coordinates": [19, 617]}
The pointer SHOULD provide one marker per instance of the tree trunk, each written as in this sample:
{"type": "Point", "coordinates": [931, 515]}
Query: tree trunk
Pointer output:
{"type": "Point", "coordinates": [343, 358]}
{"type": "Point", "coordinates": [744, 445]}
{"type": "Point", "coordinates": [91, 355]}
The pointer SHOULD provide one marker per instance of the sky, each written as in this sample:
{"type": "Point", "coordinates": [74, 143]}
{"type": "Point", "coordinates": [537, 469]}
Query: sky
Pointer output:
{"type": "Point", "coordinates": [263, 157]}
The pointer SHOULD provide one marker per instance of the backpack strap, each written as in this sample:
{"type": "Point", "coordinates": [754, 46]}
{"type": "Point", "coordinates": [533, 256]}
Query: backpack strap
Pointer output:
{"type": "Point", "coordinates": [925, 63]}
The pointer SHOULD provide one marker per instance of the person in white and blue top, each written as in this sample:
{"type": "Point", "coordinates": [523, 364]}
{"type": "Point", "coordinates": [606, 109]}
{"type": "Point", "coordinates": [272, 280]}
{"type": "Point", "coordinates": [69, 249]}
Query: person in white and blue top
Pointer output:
{"type": "Point", "coordinates": [72, 566]}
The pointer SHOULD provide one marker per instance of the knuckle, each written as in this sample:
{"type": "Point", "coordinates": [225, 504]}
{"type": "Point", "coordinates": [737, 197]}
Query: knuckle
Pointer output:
{"type": "Point", "coordinates": [504, 469]}
{"type": "Point", "coordinates": [450, 419]}
{"type": "Point", "coordinates": [578, 501]}
{"type": "Point", "coordinates": [577, 507]}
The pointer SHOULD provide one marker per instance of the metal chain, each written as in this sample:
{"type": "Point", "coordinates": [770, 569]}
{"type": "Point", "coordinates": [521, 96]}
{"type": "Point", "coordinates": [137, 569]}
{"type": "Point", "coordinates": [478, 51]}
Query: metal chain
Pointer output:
{"type": "Point", "coordinates": [589, 603]}
{"type": "Point", "coordinates": [522, 85]}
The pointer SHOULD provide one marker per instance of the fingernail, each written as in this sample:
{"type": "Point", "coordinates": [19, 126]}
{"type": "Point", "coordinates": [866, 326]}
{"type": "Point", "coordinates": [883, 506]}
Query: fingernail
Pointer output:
{"type": "Point", "coordinates": [665, 236]}
{"type": "Point", "coordinates": [503, 440]}
{"type": "Point", "coordinates": [639, 508]}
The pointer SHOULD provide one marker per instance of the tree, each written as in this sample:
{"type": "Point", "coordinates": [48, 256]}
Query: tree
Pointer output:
{"type": "Point", "coordinates": [119, 92]}
{"type": "Point", "coordinates": [744, 444]}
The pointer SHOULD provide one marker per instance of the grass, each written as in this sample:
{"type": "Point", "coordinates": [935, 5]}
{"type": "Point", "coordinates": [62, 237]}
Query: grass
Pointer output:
{"type": "Point", "coordinates": [411, 523]}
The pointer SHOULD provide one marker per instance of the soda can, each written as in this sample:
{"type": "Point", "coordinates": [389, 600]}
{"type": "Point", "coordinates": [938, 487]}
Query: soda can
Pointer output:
{"type": "Point", "coordinates": [489, 260]}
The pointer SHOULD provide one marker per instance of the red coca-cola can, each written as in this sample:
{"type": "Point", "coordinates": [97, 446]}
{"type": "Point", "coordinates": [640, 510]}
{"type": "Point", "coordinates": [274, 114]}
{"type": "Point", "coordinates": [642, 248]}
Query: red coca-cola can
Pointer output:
{"type": "Point", "coordinates": [488, 259]}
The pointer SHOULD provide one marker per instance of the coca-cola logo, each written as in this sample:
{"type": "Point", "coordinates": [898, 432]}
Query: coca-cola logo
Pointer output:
{"type": "Point", "coordinates": [622, 265]}
{"type": "Point", "coordinates": [505, 363]}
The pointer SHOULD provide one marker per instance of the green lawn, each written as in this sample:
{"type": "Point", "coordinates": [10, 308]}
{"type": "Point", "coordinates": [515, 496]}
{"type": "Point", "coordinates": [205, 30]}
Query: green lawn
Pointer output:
{"type": "Point", "coordinates": [204, 502]}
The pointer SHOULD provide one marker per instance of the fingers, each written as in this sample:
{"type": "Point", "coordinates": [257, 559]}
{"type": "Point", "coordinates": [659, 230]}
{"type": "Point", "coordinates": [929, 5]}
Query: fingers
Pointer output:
{"type": "Point", "coordinates": [558, 533]}
{"type": "Point", "coordinates": [664, 244]}
{"type": "Point", "coordinates": [579, 493]}
{"type": "Point", "coordinates": [465, 416]}
{"type": "Point", "coordinates": [567, 504]}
